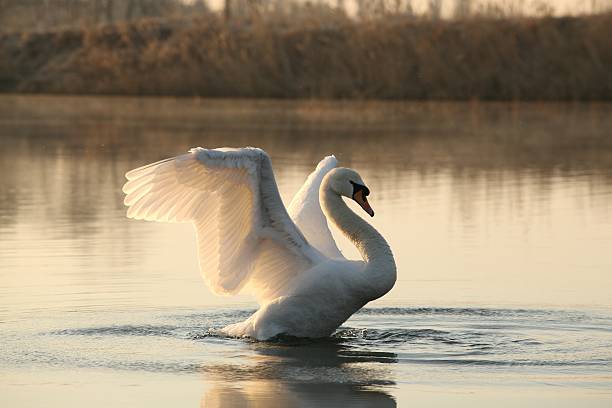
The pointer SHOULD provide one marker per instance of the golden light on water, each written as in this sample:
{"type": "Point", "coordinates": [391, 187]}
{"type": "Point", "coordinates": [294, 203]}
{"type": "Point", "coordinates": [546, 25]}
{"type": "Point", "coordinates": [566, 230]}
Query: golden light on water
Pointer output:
{"type": "Point", "coordinates": [499, 217]}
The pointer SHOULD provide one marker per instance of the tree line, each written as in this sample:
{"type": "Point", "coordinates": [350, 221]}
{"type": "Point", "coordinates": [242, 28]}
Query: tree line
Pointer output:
{"type": "Point", "coordinates": [41, 15]}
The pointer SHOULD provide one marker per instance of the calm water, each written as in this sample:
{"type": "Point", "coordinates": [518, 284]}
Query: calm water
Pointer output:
{"type": "Point", "coordinates": [500, 217]}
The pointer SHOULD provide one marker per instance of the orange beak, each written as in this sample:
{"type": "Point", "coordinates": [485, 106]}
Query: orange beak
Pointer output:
{"type": "Point", "coordinates": [363, 202]}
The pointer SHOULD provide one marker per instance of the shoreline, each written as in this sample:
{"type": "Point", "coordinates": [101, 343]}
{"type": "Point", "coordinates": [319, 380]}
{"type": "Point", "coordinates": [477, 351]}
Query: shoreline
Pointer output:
{"type": "Point", "coordinates": [354, 102]}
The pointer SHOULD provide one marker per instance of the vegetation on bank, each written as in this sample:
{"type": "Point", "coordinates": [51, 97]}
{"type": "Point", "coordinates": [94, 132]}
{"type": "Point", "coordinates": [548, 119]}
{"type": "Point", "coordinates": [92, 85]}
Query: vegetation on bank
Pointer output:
{"type": "Point", "coordinates": [544, 58]}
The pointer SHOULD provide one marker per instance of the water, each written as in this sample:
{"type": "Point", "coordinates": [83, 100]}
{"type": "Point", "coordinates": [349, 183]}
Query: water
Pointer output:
{"type": "Point", "coordinates": [499, 216]}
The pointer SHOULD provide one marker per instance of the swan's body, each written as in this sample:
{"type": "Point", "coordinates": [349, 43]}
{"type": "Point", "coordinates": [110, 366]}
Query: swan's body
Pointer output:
{"type": "Point", "coordinates": [248, 240]}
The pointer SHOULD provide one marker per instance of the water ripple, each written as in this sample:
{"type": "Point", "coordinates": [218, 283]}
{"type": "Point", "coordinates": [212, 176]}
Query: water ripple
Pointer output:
{"type": "Point", "coordinates": [461, 337]}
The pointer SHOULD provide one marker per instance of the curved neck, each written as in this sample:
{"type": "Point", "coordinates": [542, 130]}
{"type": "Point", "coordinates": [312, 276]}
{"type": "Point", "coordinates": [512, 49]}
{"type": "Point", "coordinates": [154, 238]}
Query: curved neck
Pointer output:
{"type": "Point", "coordinates": [380, 268]}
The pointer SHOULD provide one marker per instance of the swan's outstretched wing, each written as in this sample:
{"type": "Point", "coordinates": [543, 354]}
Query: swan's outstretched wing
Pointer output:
{"type": "Point", "coordinates": [245, 236]}
{"type": "Point", "coordinates": [305, 210]}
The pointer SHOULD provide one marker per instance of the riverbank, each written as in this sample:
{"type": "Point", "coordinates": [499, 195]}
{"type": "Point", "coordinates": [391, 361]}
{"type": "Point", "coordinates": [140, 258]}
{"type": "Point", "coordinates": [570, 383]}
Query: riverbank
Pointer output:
{"type": "Point", "coordinates": [487, 59]}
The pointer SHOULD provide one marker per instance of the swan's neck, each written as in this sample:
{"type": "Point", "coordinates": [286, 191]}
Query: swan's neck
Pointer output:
{"type": "Point", "coordinates": [380, 268]}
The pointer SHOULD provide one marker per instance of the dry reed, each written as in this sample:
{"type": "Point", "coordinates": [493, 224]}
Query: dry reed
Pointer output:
{"type": "Point", "coordinates": [481, 58]}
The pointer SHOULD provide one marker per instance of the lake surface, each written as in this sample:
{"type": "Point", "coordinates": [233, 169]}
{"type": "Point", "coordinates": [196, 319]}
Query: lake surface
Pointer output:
{"type": "Point", "coordinates": [499, 216]}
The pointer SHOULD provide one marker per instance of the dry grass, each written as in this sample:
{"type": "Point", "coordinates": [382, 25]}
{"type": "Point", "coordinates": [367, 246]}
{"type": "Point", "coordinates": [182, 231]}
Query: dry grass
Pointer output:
{"type": "Point", "coordinates": [489, 59]}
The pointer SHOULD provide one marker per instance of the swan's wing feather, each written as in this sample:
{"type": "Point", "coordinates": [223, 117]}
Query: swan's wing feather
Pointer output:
{"type": "Point", "coordinates": [245, 236]}
{"type": "Point", "coordinates": [305, 210]}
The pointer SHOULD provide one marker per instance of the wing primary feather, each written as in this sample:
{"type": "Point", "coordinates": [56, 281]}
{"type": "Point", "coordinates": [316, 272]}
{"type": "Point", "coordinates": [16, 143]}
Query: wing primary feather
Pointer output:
{"type": "Point", "coordinates": [181, 203]}
{"type": "Point", "coordinates": [144, 169]}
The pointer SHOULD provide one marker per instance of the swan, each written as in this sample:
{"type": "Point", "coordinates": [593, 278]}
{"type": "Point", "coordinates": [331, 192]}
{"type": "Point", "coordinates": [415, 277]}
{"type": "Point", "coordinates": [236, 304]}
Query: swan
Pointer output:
{"type": "Point", "coordinates": [248, 240]}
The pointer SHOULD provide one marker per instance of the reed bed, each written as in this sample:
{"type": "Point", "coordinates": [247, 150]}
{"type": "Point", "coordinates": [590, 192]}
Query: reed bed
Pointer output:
{"type": "Point", "coordinates": [544, 58]}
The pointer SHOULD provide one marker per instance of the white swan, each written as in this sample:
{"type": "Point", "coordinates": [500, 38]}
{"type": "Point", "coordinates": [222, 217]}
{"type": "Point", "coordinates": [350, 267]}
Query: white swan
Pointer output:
{"type": "Point", "coordinates": [247, 240]}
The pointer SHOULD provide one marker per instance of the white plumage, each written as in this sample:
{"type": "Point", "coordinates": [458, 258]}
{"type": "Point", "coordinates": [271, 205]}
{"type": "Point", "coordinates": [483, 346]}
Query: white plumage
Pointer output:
{"type": "Point", "coordinates": [248, 241]}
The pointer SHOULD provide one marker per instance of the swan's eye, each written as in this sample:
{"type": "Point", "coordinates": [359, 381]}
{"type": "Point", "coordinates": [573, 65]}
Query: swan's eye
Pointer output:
{"type": "Point", "coordinates": [360, 187]}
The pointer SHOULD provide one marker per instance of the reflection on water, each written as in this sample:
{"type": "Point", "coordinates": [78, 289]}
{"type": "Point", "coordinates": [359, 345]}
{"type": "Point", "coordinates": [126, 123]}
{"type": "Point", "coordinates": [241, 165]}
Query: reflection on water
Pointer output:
{"type": "Point", "coordinates": [506, 205]}
{"type": "Point", "coordinates": [320, 374]}
{"type": "Point", "coordinates": [276, 395]}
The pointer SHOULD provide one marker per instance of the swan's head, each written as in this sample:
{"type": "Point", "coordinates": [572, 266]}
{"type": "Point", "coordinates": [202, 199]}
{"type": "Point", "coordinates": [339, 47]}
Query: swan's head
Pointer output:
{"type": "Point", "coordinates": [348, 183]}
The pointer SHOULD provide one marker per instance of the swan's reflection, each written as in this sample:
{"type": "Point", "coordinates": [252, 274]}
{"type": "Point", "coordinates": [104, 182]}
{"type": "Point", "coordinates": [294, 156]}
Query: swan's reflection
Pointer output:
{"type": "Point", "coordinates": [320, 374]}
{"type": "Point", "coordinates": [271, 394]}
